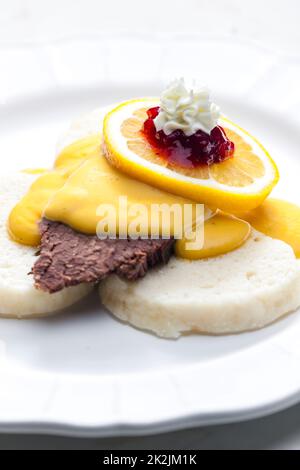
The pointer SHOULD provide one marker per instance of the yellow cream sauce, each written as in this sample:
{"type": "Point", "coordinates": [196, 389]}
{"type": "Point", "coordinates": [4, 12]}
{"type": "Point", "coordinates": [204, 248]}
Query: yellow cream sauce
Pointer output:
{"type": "Point", "coordinates": [82, 179]}
{"type": "Point", "coordinates": [72, 192]}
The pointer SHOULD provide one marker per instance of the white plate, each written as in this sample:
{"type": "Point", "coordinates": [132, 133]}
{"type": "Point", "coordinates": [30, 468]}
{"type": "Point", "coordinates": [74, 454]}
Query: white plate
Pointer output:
{"type": "Point", "coordinates": [83, 372]}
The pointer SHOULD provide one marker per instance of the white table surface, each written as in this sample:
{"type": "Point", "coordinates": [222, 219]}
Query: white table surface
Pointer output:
{"type": "Point", "coordinates": [272, 23]}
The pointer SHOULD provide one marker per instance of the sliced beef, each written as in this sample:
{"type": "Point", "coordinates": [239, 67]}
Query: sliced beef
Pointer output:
{"type": "Point", "coordinates": [67, 258]}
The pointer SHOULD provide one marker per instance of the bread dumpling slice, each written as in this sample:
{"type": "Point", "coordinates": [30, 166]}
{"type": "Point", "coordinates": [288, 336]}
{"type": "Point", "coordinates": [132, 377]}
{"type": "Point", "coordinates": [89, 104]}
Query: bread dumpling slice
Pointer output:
{"type": "Point", "coordinates": [18, 296]}
{"type": "Point", "coordinates": [245, 289]}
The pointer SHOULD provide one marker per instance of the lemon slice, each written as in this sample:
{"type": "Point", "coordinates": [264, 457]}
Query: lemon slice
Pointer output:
{"type": "Point", "coordinates": [238, 184]}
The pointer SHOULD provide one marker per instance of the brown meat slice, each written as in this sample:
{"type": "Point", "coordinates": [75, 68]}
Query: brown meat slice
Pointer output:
{"type": "Point", "coordinates": [67, 258]}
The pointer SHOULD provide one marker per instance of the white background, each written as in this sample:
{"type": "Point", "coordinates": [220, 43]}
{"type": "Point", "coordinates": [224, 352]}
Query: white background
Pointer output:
{"type": "Point", "coordinates": [273, 23]}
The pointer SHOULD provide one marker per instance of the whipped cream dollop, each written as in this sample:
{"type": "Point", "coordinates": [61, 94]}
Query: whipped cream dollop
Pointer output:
{"type": "Point", "coordinates": [188, 109]}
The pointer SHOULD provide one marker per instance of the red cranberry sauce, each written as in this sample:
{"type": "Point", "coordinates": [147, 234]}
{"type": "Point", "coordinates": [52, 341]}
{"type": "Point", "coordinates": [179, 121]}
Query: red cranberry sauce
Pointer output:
{"type": "Point", "coordinates": [188, 151]}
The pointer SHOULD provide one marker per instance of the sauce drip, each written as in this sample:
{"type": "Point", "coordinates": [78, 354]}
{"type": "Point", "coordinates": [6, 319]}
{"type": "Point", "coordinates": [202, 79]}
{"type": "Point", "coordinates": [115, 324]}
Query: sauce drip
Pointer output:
{"type": "Point", "coordinates": [277, 219]}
